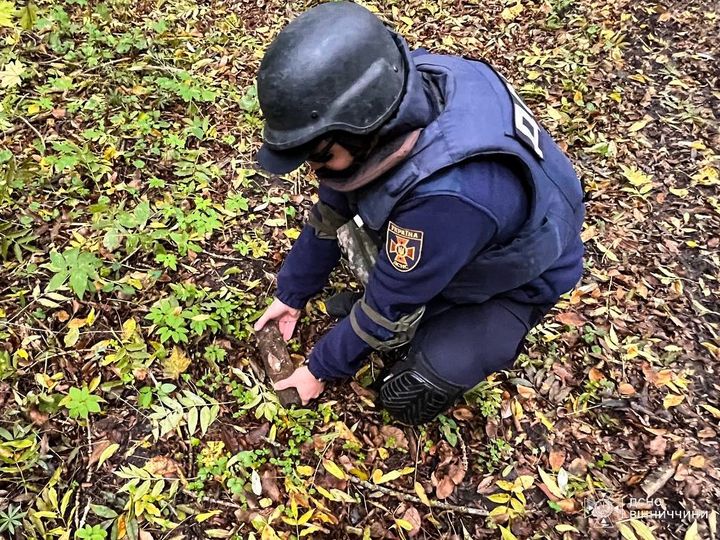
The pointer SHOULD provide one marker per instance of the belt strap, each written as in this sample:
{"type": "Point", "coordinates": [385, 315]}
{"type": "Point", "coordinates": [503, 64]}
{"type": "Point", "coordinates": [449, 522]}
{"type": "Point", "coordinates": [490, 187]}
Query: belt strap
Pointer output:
{"type": "Point", "coordinates": [403, 329]}
{"type": "Point", "coordinates": [325, 220]}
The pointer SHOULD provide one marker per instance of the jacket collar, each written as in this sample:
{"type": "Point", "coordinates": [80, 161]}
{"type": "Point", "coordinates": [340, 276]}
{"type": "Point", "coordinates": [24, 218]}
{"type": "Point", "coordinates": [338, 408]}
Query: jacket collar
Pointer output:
{"type": "Point", "coordinates": [397, 137]}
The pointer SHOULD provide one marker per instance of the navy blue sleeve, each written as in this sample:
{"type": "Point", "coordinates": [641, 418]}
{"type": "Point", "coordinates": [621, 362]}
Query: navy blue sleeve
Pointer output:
{"type": "Point", "coordinates": [311, 259]}
{"type": "Point", "coordinates": [453, 232]}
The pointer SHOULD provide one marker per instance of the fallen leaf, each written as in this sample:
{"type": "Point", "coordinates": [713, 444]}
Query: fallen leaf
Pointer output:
{"type": "Point", "coordinates": [412, 516]}
{"type": "Point", "coordinates": [672, 400]}
{"type": "Point", "coordinates": [556, 459]}
{"type": "Point", "coordinates": [657, 446]}
{"type": "Point", "coordinates": [98, 448]}
{"type": "Point", "coordinates": [570, 318]}
{"type": "Point", "coordinates": [164, 466]}
{"type": "Point", "coordinates": [445, 488]}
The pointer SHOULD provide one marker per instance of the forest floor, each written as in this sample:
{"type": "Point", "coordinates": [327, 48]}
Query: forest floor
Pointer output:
{"type": "Point", "coordinates": [138, 244]}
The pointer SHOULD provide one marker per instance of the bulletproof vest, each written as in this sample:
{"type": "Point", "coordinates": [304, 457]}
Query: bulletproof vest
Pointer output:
{"type": "Point", "coordinates": [483, 117]}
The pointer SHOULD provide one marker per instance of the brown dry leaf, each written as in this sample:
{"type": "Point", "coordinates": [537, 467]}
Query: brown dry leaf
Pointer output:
{"type": "Point", "coordinates": [626, 389]}
{"type": "Point", "coordinates": [456, 473]}
{"type": "Point", "coordinates": [698, 462]}
{"type": "Point", "coordinates": [412, 516]}
{"type": "Point", "coordinates": [463, 413]}
{"type": "Point", "coordinates": [38, 418]}
{"type": "Point", "coordinates": [144, 535]}
{"type": "Point", "coordinates": [556, 458]}
{"type": "Point", "coordinates": [269, 485]}
{"type": "Point", "coordinates": [526, 392]}
{"type": "Point", "coordinates": [445, 488]}
{"type": "Point", "coordinates": [98, 448]}
{"type": "Point", "coordinates": [568, 506]}
{"type": "Point", "coordinates": [570, 318]}
{"type": "Point", "coordinates": [394, 437]}
{"type": "Point", "coordinates": [657, 446]}
{"type": "Point", "coordinates": [578, 467]}
{"type": "Point", "coordinates": [164, 466]}
{"type": "Point", "coordinates": [595, 375]}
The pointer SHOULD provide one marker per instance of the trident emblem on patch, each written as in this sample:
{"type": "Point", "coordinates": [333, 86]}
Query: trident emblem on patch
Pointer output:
{"type": "Point", "coordinates": [403, 247]}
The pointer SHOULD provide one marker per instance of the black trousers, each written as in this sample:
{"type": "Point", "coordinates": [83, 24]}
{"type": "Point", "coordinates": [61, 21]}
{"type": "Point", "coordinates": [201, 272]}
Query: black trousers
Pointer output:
{"type": "Point", "coordinates": [463, 344]}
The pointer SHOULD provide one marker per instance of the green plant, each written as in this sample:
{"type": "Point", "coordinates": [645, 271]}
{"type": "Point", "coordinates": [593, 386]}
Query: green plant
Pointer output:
{"type": "Point", "coordinates": [170, 320]}
{"type": "Point", "coordinates": [494, 454]}
{"type": "Point", "coordinates": [80, 402]}
{"type": "Point", "coordinates": [449, 429]}
{"type": "Point", "coordinates": [77, 267]}
{"type": "Point", "coordinates": [11, 519]}
{"type": "Point", "coordinates": [129, 354]}
{"type": "Point", "coordinates": [94, 532]}
{"type": "Point", "coordinates": [19, 449]}
{"type": "Point", "coordinates": [487, 396]}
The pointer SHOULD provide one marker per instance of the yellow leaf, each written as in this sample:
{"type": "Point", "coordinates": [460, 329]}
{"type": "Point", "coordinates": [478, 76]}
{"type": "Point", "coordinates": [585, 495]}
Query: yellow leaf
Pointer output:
{"type": "Point", "coordinates": [292, 234]}
{"type": "Point", "coordinates": [304, 470]}
{"type": "Point", "coordinates": [512, 12]}
{"type": "Point", "coordinates": [333, 469]}
{"type": "Point", "coordinates": [682, 193]}
{"type": "Point", "coordinates": [562, 527]}
{"type": "Point", "coordinates": [72, 337]}
{"type": "Point", "coordinates": [672, 400]}
{"type": "Point", "coordinates": [207, 515]}
{"type": "Point", "coordinates": [392, 475]}
{"type": "Point", "coordinates": [506, 534]}
{"type": "Point", "coordinates": [707, 176]}
{"type": "Point", "coordinates": [504, 484]}
{"type": "Point", "coordinates": [692, 532]}
{"type": "Point", "coordinates": [362, 475]}
{"type": "Point", "coordinates": [128, 329]}
{"type": "Point", "coordinates": [325, 493]}
{"type": "Point", "coordinates": [376, 475]}
{"type": "Point", "coordinates": [107, 454]}
{"type": "Point", "coordinates": [712, 410]}
{"type": "Point", "coordinates": [626, 531]}
{"type": "Point", "coordinates": [176, 364]}
{"type": "Point", "coordinates": [499, 498]}
{"type": "Point", "coordinates": [635, 176]}
{"type": "Point", "coordinates": [404, 524]}
{"type": "Point", "coordinates": [421, 494]}
{"type": "Point", "coordinates": [550, 483]}
{"type": "Point", "coordinates": [642, 530]}
{"type": "Point", "coordinates": [545, 420]}
{"type": "Point", "coordinates": [637, 126]}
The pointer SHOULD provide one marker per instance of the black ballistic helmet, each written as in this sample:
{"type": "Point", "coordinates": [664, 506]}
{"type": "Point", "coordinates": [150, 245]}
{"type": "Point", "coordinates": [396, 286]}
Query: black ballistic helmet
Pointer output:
{"type": "Point", "coordinates": [334, 68]}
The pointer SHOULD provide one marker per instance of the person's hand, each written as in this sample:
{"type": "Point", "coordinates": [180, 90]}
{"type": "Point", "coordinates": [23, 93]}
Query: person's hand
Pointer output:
{"type": "Point", "coordinates": [308, 387]}
{"type": "Point", "coordinates": [286, 317]}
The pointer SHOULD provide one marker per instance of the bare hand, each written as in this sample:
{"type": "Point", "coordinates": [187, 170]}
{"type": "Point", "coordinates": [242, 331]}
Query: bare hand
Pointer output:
{"type": "Point", "coordinates": [308, 387]}
{"type": "Point", "coordinates": [286, 317]}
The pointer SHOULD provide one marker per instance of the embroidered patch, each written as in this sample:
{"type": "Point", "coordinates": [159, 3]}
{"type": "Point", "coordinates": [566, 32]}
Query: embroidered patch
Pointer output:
{"type": "Point", "coordinates": [403, 247]}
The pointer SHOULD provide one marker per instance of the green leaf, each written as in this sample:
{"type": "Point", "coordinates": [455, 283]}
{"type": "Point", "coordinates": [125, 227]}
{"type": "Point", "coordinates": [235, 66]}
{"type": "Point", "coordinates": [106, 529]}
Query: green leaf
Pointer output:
{"type": "Point", "coordinates": [103, 511]}
{"type": "Point", "coordinates": [78, 283]}
{"type": "Point", "coordinates": [112, 239]}
{"type": "Point", "coordinates": [28, 16]}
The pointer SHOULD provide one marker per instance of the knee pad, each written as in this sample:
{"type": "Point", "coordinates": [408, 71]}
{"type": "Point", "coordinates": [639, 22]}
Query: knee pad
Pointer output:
{"type": "Point", "coordinates": [413, 398]}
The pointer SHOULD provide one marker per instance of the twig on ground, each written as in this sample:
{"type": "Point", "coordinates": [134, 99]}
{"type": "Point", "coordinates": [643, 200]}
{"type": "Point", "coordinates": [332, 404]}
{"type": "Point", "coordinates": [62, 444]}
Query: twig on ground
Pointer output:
{"type": "Point", "coordinates": [88, 479]}
{"type": "Point", "coordinates": [213, 501]}
{"type": "Point", "coordinates": [407, 497]}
